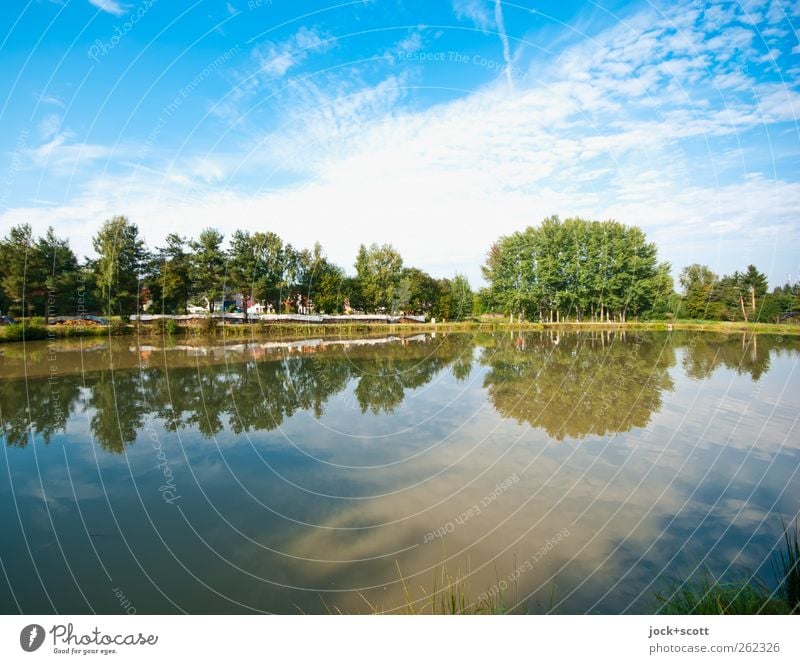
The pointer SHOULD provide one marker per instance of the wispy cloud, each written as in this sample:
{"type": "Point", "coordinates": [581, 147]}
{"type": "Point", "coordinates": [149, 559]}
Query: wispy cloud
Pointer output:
{"type": "Point", "coordinates": [501, 30]}
{"type": "Point", "coordinates": [60, 153]}
{"type": "Point", "coordinates": [473, 10]}
{"type": "Point", "coordinates": [275, 59]}
{"type": "Point", "coordinates": [110, 6]}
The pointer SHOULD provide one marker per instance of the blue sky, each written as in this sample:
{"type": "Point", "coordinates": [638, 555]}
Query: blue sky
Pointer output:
{"type": "Point", "coordinates": [434, 125]}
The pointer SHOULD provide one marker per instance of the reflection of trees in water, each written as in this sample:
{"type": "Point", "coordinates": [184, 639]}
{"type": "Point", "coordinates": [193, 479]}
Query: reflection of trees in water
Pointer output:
{"type": "Point", "coordinates": [382, 381]}
{"type": "Point", "coordinates": [41, 405]}
{"type": "Point", "coordinates": [743, 353]}
{"type": "Point", "coordinates": [119, 410]}
{"type": "Point", "coordinates": [247, 395]}
{"type": "Point", "coordinates": [571, 385]}
{"type": "Point", "coordinates": [574, 385]}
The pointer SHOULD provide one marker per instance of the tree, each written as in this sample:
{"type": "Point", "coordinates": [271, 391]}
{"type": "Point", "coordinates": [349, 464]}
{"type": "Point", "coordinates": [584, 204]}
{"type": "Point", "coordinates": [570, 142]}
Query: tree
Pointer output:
{"type": "Point", "coordinates": [61, 274]}
{"type": "Point", "coordinates": [324, 282]}
{"type": "Point", "coordinates": [24, 273]}
{"type": "Point", "coordinates": [119, 266]}
{"type": "Point", "coordinates": [170, 276]}
{"type": "Point", "coordinates": [245, 269]}
{"type": "Point", "coordinates": [278, 266]}
{"type": "Point", "coordinates": [423, 289]}
{"type": "Point", "coordinates": [698, 283]}
{"type": "Point", "coordinates": [442, 309]}
{"type": "Point", "coordinates": [755, 283]}
{"type": "Point", "coordinates": [461, 298]}
{"type": "Point", "coordinates": [379, 271]}
{"type": "Point", "coordinates": [207, 267]}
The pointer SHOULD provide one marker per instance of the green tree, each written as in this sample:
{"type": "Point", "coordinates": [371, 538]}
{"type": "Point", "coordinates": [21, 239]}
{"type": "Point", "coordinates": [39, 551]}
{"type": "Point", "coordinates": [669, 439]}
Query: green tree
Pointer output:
{"type": "Point", "coordinates": [423, 289]}
{"type": "Point", "coordinates": [575, 268]}
{"type": "Point", "coordinates": [325, 283]}
{"type": "Point", "coordinates": [62, 273]}
{"type": "Point", "coordinates": [755, 283]}
{"type": "Point", "coordinates": [170, 276]}
{"type": "Point", "coordinates": [461, 298]}
{"type": "Point", "coordinates": [119, 266]}
{"type": "Point", "coordinates": [379, 270]}
{"type": "Point", "coordinates": [278, 267]}
{"type": "Point", "coordinates": [207, 267]}
{"type": "Point", "coordinates": [698, 283]}
{"type": "Point", "coordinates": [24, 272]}
{"type": "Point", "coordinates": [246, 270]}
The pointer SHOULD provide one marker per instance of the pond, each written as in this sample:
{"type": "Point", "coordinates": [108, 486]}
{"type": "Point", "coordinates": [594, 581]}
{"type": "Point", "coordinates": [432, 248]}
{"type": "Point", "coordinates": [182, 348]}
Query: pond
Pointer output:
{"type": "Point", "coordinates": [577, 472]}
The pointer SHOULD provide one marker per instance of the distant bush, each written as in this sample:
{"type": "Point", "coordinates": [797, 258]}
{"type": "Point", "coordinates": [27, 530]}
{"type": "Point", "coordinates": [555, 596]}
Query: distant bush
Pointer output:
{"type": "Point", "coordinates": [118, 326]}
{"type": "Point", "coordinates": [171, 327]}
{"type": "Point", "coordinates": [208, 324]}
{"type": "Point", "coordinates": [20, 332]}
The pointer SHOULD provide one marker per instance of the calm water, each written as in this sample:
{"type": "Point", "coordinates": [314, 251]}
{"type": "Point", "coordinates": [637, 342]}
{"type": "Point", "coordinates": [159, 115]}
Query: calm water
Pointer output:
{"type": "Point", "coordinates": [585, 472]}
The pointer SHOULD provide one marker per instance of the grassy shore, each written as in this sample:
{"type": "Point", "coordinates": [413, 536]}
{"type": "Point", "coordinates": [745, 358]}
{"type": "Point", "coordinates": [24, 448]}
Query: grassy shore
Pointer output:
{"type": "Point", "coordinates": [36, 330]}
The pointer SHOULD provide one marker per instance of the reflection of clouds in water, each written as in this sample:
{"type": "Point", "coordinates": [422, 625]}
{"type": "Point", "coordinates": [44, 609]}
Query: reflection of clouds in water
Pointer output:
{"type": "Point", "coordinates": [665, 454]}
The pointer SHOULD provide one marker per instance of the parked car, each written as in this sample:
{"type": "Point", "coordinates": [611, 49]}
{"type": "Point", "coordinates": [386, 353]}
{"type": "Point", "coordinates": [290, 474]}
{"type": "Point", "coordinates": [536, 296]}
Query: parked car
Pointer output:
{"type": "Point", "coordinates": [6, 320]}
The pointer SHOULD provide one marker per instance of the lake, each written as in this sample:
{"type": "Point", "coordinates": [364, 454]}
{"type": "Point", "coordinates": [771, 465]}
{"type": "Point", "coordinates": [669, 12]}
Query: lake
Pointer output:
{"type": "Point", "coordinates": [574, 472]}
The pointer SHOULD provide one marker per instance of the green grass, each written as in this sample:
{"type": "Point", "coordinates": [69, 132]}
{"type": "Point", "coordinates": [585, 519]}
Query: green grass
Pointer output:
{"type": "Point", "coordinates": [448, 595]}
{"type": "Point", "coordinates": [23, 332]}
{"type": "Point", "coordinates": [786, 563]}
{"type": "Point", "coordinates": [708, 596]}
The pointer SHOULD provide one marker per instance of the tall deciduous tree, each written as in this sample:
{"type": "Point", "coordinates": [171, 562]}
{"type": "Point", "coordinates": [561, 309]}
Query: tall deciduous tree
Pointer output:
{"type": "Point", "coordinates": [119, 266]}
{"type": "Point", "coordinates": [170, 276]}
{"type": "Point", "coordinates": [461, 298]}
{"type": "Point", "coordinates": [257, 266]}
{"type": "Point", "coordinates": [698, 283]}
{"type": "Point", "coordinates": [207, 267]}
{"type": "Point", "coordinates": [379, 271]}
{"type": "Point", "coordinates": [322, 281]}
{"type": "Point", "coordinates": [424, 291]}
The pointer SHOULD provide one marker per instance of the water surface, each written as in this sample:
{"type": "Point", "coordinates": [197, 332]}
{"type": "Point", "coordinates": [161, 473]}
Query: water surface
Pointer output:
{"type": "Point", "coordinates": [583, 472]}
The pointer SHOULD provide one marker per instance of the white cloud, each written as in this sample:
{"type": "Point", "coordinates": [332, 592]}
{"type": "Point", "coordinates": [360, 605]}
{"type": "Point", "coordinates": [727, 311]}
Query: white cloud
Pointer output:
{"type": "Point", "coordinates": [110, 6]}
{"type": "Point", "coordinates": [274, 59]}
{"type": "Point", "coordinates": [61, 154]}
{"type": "Point", "coordinates": [48, 126]}
{"type": "Point", "coordinates": [602, 132]}
{"type": "Point", "coordinates": [473, 10]}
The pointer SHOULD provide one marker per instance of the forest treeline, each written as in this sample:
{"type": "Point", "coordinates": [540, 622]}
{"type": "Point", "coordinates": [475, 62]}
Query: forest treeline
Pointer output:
{"type": "Point", "coordinates": [556, 271]}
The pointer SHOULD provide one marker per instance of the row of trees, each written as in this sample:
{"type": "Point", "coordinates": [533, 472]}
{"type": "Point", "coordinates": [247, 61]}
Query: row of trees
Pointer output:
{"type": "Point", "coordinates": [741, 296]}
{"type": "Point", "coordinates": [44, 277]}
{"type": "Point", "coordinates": [559, 270]}
{"type": "Point", "coordinates": [584, 270]}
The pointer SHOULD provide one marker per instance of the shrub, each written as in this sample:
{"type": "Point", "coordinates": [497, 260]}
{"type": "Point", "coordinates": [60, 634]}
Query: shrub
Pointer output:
{"type": "Point", "coordinates": [117, 326]}
{"type": "Point", "coordinates": [26, 332]}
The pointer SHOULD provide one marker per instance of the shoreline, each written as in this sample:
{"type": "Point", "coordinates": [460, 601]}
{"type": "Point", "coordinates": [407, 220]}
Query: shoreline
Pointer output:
{"type": "Point", "coordinates": [307, 330]}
